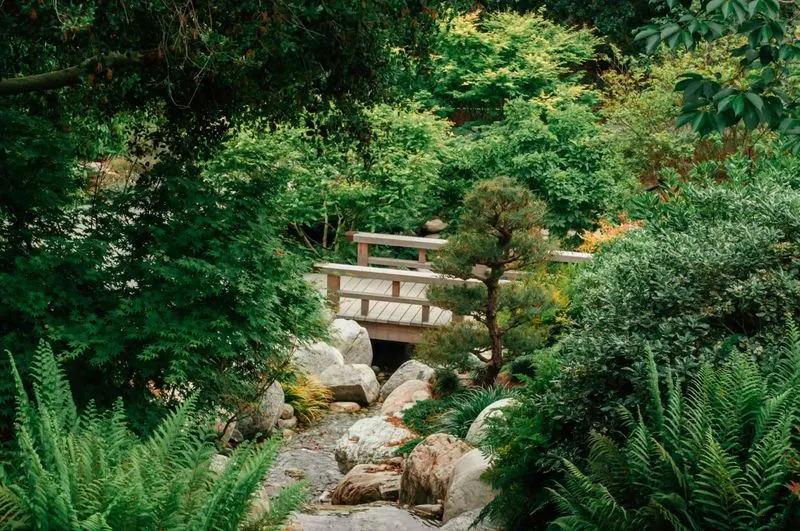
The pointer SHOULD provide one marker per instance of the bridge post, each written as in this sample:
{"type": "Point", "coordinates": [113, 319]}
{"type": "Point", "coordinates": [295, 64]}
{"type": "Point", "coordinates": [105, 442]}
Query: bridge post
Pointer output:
{"type": "Point", "coordinates": [363, 254]}
{"type": "Point", "coordinates": [334, 287]}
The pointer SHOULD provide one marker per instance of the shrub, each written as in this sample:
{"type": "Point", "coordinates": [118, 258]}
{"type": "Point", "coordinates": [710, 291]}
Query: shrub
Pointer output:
{"type": "Point", "coordinates": [423, 417]}
{"type": "Point", "coordinates": [715, 457]}
{"type": "Point", "coordinates": [79, 471]}
{"type": "Point", "coordinates": [445, 382]}
{"type": "Point", "coordinates": [308, 396]}
{"type": "Point", "coordinates": [465, 407]}
{"type": "Point", "coordinates": [713, 267]}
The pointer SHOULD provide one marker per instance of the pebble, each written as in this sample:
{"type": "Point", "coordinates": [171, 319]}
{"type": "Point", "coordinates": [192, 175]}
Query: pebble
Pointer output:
{"type": "Point", "coordinates": [287, 412]}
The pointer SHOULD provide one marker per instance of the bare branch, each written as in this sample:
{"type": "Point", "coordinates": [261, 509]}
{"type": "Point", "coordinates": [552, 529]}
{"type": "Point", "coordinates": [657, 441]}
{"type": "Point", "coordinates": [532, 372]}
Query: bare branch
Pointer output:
{"type": "Point", "coordinates": [72, 75]}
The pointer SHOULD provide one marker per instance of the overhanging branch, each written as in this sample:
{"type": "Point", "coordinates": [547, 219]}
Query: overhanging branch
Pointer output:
{"type": "Point", "coordinates": [72, 75]}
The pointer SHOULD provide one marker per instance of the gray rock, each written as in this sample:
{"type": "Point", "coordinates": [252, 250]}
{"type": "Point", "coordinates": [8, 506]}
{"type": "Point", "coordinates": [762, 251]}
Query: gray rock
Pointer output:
{"type": "Point", "coordinates": [344, 407]}
{"type": "Point", "coordinates": [464, 523]}
{"type": "Point", "coordinates": [287, 412]}
{"type": "Point", "coordinates": [371, 441]}
{"type": "Point", "coordinates": [287, 424]}
{"type": "Point", "coordinates": [263, 417]}
{"type": "Point", "coordinates": [410, 370]}
{"type": "Point", "coordinates": [351, 383]}
{"type": "Point", "coordinates": [352, 340]}
{"type": "Point", "coordinates": [406, 395]}
{"type": "Point", "coordinates": [480, 426]}
{"type": "Point", "coordinates": [428, 510]}
{"type": "Point", "coordinates": [467, 491]}
{"type": "Point", "coordinates": [434, 226]}
{"type": "Point", "coordinates": [367, 483]}
{"type": "Point", "coordinates": [429, 467]}
{"type": "Point", "coordinates": [316, 357]}
{"type": "Point", "coordinates": [379, 516]}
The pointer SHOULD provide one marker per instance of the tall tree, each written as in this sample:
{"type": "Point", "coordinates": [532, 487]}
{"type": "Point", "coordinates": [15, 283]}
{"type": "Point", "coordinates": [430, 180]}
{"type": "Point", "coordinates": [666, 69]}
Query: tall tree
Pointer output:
{"type": "Point", "coordinates": [169, 271]}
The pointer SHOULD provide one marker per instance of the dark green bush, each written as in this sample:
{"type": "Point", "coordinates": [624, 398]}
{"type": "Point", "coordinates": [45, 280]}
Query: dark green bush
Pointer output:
{"type": "Point", "coordinates": [446, 382]}
{"type": "Point", "coordinates": [715, 267]}
{"type": "Point", "coordinates": [453, 414]}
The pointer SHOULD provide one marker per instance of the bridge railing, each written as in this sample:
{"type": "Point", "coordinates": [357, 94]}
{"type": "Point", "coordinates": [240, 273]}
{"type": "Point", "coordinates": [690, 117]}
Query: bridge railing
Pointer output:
{"type": "Point", "coordinates": [335, 293]}
{"type": "Point", "coordinates": [423, 245]}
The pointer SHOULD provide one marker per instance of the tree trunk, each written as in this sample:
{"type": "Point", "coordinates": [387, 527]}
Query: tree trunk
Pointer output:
{"type": "Point", "coordinates": [496, 361]}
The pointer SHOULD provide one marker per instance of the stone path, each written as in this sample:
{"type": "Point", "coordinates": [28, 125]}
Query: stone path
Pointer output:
{"type": "Point", "coordinates": [309, 455]}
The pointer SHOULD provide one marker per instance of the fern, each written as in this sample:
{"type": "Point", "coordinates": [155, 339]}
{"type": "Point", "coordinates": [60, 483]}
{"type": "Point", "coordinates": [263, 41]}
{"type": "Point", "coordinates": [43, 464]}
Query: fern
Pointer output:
{"type": "Point", "coordinates": [88, 471]}
{"type": "Point", "coordinates": [715, 457]}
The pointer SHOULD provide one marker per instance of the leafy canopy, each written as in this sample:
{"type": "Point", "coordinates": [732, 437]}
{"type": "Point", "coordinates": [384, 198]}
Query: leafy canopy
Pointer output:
{"type": "Point", "coordinates": [762, 91]}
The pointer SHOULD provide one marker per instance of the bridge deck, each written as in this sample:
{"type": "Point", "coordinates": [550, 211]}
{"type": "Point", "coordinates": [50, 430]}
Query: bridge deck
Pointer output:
{"type": "Point", "coordinates": [389, 321]}
{"type": "Point", "coordinates": [389, 312]}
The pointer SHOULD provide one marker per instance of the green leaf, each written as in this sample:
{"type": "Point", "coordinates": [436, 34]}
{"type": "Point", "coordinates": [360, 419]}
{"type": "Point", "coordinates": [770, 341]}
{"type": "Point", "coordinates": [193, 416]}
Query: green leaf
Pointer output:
{"type": "Point", "coordinates": [755, 99]}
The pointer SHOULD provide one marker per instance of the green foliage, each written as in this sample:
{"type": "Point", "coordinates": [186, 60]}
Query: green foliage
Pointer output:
{"type": "Point", "coordinates": [612, 20]}
{"type": "Point", "coordinates": [87, 471]}
{"type": "Point", "coordinates": [378, 181]}
{"type": "Point", "coordinates": [762, 92]}
{"type": "Point", "coordinates": [550, 146]}
{"type": "Point", "coordinates": [640, 110]}
{"type": "Point", "coordinates": [423, 416]}
{"type": "Point", "coordinates": [466, 407]}
{"type": "Point", "coordinates": [713, 267]}
{"type": "Point", "coordinates": [499, 231]}
{"type": "Point", "coordinates": [483, 59]}
{"type": "Point", "coordinates": [715, 457]}
{"type": "Point", "coordinates": [445, 382]}
{"type": "Point", "coordinates": [454, 413]}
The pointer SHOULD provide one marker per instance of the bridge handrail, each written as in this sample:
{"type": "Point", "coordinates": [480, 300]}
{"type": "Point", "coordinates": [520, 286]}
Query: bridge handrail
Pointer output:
{"type": "Point", "coordinates": [365, 239]}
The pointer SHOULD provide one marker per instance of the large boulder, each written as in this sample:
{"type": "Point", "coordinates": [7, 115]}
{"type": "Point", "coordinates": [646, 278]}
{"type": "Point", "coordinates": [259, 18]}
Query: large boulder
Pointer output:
{"type": "Point", "coordinates": [371, 441]}
{"type": "Point", "coordinates": [406, 395]}
{"type": "Point", "coordinates": [429, 467]}
{"type": "Point", "coordinates": [410, 370]}
{"type": "Point", "coordinates": [263, 417]}
{"type": "Point", "coordinates": [367, 483]}
{"type": "Point", "coordinates": [480, 426]}
{"type": "Point", "coordinates": [316, 357]}
{"type": "Point", "coordinates": [351, 383]}
{"type": "Point", "coordinates": [352, 340]}
{"type": "Point", "coordinates": [467, 491]}
{"type": "Point", "coordinates": [465, 521]}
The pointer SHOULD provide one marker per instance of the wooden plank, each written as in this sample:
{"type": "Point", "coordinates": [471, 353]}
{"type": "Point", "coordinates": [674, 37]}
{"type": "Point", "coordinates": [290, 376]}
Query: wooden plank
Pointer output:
{"type": "Point", "coordinates": [391, 332]}
{"type": "Point", "coordinates": [420, 277]}
{"type": "Point", "coordinates": [380, 297]}
{"type": "Point", "coordinates": [399, 262]}
{"type": "Point", "coordinates": [393, 240]}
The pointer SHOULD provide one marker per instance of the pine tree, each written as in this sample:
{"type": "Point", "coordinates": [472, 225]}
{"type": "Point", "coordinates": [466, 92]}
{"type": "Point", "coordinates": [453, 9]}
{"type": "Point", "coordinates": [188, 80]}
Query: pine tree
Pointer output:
{"type": "Point", "coordinates": [499, 232]}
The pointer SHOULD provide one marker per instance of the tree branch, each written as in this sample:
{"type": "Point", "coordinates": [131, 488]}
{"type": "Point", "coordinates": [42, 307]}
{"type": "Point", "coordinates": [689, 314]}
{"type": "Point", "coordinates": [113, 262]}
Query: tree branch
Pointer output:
{"type": "Point", "coordinates": [72, 75]}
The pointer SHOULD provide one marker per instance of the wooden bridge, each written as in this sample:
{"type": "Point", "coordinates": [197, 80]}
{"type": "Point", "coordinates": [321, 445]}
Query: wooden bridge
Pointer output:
{"type": "Point", "coordinates": [387, 296]}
